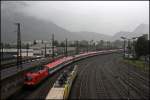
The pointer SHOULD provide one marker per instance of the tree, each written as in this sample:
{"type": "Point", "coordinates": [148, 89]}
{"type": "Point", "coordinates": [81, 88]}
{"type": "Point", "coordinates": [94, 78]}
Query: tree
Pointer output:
{"type": "Point", "coordinates": [62, 44]}
{"type": "Point", "coordinates": [71, 44]}
{"type": "Point", "coordinates": [56, 43]}
{"type": "Point", "coordinates": [142, 47]}
{"type": "Point", "coordinates": [7, 45]}
{"type": "Point", "coordinates": [100, 44]}
{"type": "Point", "coordinates": [83, 43]}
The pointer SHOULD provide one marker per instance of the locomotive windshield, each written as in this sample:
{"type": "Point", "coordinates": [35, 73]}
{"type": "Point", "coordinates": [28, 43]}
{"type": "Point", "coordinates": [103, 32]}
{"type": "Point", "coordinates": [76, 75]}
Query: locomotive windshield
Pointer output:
{"type": "Point", "coordinates": [37, 68]}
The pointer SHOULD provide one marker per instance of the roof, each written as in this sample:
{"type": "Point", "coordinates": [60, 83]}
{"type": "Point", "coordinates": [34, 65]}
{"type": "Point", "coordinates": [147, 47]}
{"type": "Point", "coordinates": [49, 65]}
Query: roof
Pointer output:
{"type": "Point", "coordinates": [57, 62]}
{"type": "Point", "coordinates": [55, 94]}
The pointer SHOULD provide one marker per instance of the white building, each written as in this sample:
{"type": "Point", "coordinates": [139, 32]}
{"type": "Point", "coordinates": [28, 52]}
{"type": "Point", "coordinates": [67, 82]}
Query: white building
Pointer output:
{"type": "Point", "coordinates": [41, 48]}
{"type": "Point", "coordinates": [24, 52]}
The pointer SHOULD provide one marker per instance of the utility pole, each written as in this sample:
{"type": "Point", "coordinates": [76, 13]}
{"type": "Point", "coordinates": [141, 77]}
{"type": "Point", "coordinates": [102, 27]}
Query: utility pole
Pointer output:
{"type": "Point", "coordinates": [87, 46]}
{"type": "Point", "coordinates": [53, 46]}
{"type": "Point", "coordinates": [134, 43]}
{"type": "Point", "coordinates": [77, 47]}
{"type": "Point", "coordinates": [66, 51]}
{"type": "Point", "coordinates": [2, 51]}
{"type": "Point", "coordinates": [45, 49]}
{"type": "Point", "coordinates": [64, 48]}
{"type": "Point", "coordinates": [128, 48]}
{"type": "Point", "coordinates": [19, 52]}
{"type": "Point", "coordinates": [2, 54]}
{"type": "Point", "coordinates": [124, 45]}
{"type": "Point", "coordinates": [27, 48]}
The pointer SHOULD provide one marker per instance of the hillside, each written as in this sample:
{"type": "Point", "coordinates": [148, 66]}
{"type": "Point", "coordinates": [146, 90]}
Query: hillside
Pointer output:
{"type": "Point", "coordinates": [138, 31]}
{"type": "Point", "coordinates": [33, 28]}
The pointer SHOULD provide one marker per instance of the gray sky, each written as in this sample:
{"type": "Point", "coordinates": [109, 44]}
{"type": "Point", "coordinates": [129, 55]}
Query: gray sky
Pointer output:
{"type": "Point", "coordinates": [106, 17]}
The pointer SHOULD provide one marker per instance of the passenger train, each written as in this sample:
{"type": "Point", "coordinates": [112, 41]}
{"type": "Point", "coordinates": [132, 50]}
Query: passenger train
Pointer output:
{"type": "Point", "coordinates": [34, 78]}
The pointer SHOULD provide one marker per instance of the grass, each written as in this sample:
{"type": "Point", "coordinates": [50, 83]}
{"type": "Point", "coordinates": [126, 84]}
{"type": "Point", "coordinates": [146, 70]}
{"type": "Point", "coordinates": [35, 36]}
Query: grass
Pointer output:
{"type": "Point", "coordinates": [138, 63]}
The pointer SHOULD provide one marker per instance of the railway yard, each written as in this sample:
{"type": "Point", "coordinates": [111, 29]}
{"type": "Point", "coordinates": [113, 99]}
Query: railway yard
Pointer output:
{"type": "Point", "coordinates": [74, 50]}
{"type": "Point", "coordinates": [105, 77]}
{"type": "Point", "coordinates": [99, 77]}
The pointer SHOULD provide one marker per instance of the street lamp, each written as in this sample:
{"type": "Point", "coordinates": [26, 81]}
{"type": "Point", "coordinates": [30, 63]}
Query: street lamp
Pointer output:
{"type": "Point", "coordinates": [134, 44]}
{"type": "Point", "coordinates": [124, 45]}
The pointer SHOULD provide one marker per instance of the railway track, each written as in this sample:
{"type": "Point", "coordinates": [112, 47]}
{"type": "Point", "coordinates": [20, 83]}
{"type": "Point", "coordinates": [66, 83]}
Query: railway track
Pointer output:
{"type": "Point", "coordinates": [83, 82]}
{"type": "Point", "coordinates": [101, 91]}
{"type": "Point", "coordinates": [83, 79]}
{"type": "Point", "coordinates": [98, 78]}
{"type": "Point", "coordinates": [115, 78]}
{"type": "Point", "coordinates": [138, 84]}
{"type": "Point", "coordinates": [121, 89]}
{"type": "Point", "coordinates": [40, 91]}
{"type": "Point", "coordinates": [13, 63]}
{"type": "Point", "coordinates": [135, 86]}
{"type": "Point", "coordinates": [137, 76]}
{"type": "Point", "coordinates": [107, 78]}
{"type": "Point", "coordinates": [80, 72]}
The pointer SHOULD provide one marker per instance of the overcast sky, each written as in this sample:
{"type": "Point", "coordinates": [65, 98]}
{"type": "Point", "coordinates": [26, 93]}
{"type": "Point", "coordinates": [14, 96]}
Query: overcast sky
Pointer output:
{"type": "Point", "coordinates": [106, 17]}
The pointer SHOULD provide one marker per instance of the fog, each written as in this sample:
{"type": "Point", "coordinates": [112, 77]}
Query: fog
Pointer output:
{"type": "Point", "coordinates": [106, 17]}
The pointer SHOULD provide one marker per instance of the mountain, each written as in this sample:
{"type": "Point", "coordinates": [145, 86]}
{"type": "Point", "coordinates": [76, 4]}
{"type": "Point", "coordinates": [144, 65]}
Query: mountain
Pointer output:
{"type": "Point", "coordinates": [120, 34]}
{"type": "Point", "coordinates": [37, 29]}
{"type": "Point", "coordinates": [138, 31]}
{"type": "Point", "coordinates": [141, 29]}
{"type": "Point", "coordinates": [84, 35]}
{"type": "Point", "coordinates": [31, 28]}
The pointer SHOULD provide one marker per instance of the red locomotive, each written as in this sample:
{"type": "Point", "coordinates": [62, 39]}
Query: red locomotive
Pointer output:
{"type": "Point", "coordinates": [33, 78]}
